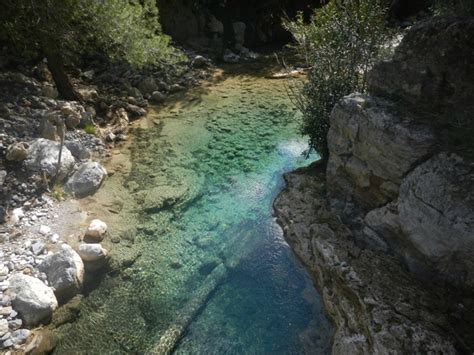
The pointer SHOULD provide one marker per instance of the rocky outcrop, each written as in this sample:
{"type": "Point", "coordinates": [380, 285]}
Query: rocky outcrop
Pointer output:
{"type": "Point", "coordinates": [431, 224]}
{"type": "Point", "coordinates": [86, 179]}
{"type": "Point", "coordinates": [32, 299]}
{"type": "Point", "coordinates": [432, 68]}
{"type": "Point", "coordinates": [43, 156]}
{"type": "Point", "coordinates": [372, 148]}
{"type": "Point", "coordinates": [376, 306]}
{"type": "Point", "coordinates": [387, 229]}
{"type": "Point", "coordinates": [65, 272]}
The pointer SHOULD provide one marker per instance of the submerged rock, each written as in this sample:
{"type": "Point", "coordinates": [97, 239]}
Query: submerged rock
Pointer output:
{"type": "Point", "coordinates": [86, 180]}
{"type": "Point", "coordinates": [32, 299]}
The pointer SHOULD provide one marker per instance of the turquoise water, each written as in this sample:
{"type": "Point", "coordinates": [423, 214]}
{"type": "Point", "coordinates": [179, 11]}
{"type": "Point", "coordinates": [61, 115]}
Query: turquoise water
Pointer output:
{"type": "Point", "coordinates": [209, 261]}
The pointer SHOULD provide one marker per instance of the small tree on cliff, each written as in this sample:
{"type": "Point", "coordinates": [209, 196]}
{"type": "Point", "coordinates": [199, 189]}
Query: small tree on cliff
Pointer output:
{"type": "Point", "coordinates": [61, 30]}
{"type": "Point", "coordinates": [340, 44]}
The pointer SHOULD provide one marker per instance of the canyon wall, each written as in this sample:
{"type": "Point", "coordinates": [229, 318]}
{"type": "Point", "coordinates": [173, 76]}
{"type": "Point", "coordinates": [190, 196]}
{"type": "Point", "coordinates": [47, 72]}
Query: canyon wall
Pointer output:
{"type": "Point", "coordinates": [387, 229]}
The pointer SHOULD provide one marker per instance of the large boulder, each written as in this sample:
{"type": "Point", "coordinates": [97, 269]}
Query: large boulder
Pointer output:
{"type": "Point", "coordinates": [86, 179]}
{"type": "Point", "coordinates": [32, 299]}
{"type": "Point", "coordinates": [372, 148]}
{"type": "Point", "coordinates": [43, 157]}
{"type": "Point", "coordinates": [65, 272]}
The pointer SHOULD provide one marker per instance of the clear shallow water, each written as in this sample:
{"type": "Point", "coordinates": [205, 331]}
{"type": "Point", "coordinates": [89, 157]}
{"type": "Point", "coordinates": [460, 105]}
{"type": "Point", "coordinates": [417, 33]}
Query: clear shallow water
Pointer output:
{"type": "Point", "coordinates": [197, 198]}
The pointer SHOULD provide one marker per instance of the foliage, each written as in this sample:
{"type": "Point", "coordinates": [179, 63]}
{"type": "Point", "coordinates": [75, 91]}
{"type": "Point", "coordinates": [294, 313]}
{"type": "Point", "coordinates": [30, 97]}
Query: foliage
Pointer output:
{"type": "Point", "coordinates": [340, 44]}
{"type": "Point", "coordinates": [123, 29]}
{"type": "Point", "coordinates": [453, 7]}
{"type": "Point", "coordinates": [57, 192]}
{"type": "Point", "coordinates": [90, 129]}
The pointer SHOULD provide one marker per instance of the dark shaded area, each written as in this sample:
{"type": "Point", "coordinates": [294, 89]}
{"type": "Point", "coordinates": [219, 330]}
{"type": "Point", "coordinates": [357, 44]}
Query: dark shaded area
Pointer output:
{"type": "Point", "coordinates": [187, 21]}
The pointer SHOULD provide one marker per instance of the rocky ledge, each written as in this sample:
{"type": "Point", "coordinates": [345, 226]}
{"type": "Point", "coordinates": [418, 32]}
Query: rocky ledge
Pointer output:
{"type": "Point", "coordinates": [386, 228]}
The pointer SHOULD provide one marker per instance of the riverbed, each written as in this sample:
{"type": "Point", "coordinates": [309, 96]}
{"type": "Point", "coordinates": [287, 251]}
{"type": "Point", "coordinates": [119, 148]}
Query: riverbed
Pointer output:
{"type": "Point", "coordinates": [198, 263]}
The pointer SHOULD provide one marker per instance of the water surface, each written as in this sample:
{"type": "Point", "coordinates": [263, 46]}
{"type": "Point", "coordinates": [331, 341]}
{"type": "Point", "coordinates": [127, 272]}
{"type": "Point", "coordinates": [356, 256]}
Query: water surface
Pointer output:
{"type": "Point", "coordinates": [194, 196]}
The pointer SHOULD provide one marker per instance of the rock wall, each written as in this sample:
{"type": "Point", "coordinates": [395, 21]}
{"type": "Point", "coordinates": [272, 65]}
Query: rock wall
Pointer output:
{"type": "Point", "coordinates": [388, 228]}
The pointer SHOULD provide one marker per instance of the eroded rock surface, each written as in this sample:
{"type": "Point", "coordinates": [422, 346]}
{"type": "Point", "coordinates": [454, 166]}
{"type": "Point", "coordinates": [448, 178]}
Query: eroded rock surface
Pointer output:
{"type": "Point", "coordinates": [377, 307]}
{"type": "Point", "coordinates": [372, 148]}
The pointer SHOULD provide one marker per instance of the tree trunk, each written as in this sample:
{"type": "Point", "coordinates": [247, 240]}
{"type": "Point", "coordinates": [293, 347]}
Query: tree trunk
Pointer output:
{"type": "Point", "coordinates": [55, 65]}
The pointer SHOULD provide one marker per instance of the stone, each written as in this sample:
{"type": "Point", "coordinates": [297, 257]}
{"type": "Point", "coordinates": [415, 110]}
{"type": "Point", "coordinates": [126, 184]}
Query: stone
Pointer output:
{"type": "Point", "coordinates": [372, 149]}
{"type": "Point", "coordinates": [45, 230]}
{"type": "Point", "coordinates": [78, 150]}
{"type": "Point", "coordinates": [158, 97]}
{"type": "Point", "coordinates": [86, 180]}
{"type": "Point", "coordinates": [32, 299]}
{"type": "Point", "coordinates": [65, 272]}
{"type": "Point", "coordinates": [50, 91]}
{"type": "Point", "coordinates": [96, 230]}
{"type": "Point", "coordinates": [43, 157]}
{"type": "Point", "coordinates": [230, 57]}
{"type": "Point", "coordinates": [110, 137]}
{"type": "Point", "coordinates": [200, 62]}
{"type": "Point", "coordinates": [3, 327]}
{"type": "Point", "coordinates": [176, 88]}
{"type": "Point", "coordinates": [72, 113]}
{"type": "Point", "coordinates": [48, 128]}
{"type": "Point", "coordinates": [37, 247]}
{"type": "Point", "coordinates": [92, 252]}
{"type": "Point", "coordinates": [148, 86]}
{"type": "Point", "coordinates": [16, 215]}
{"type": "Point", "coordinates": [16, 152]}
{"type": "Point", "coordinates": [88, 94]}
{"type": "Point", "coordinates": [5, 311]}
{"type": "Point", "coordinates": [19, 336]}
{"type": "Point", "coordinates": [3, 176]}
{"type": "Point", "coordinates": [54, 238]}
{"type": "Point", "coordinates": [134, 111]}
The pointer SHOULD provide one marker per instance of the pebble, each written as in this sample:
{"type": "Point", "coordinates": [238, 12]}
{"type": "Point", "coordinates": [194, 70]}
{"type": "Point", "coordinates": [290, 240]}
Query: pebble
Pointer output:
{"type": "Point", "coordinates": [45, 230]}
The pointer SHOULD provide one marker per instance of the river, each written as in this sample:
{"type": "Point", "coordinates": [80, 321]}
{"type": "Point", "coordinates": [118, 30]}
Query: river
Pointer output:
{"type": "Point", "coordinates": [199, 265]}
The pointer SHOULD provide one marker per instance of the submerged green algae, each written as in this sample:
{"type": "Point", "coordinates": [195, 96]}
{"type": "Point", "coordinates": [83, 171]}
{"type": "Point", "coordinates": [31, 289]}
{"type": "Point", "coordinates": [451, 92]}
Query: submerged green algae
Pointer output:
{"type": "Point", "coordinates": [196, 195]}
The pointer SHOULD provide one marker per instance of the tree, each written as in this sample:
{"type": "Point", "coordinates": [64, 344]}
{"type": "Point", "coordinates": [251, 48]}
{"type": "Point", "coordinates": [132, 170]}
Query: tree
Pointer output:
{"type": "Point", "coordinates": [340, 44]}
{"type": "Point", "coordinates": [61, 30]}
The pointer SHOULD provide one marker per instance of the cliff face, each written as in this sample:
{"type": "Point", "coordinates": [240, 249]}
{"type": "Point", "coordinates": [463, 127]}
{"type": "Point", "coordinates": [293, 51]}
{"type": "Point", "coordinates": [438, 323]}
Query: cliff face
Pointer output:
{"type": "Point", "coordinates": [388, 229]}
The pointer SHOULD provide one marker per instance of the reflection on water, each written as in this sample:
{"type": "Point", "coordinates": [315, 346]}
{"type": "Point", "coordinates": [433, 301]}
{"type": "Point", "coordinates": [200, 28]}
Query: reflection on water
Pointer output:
{"type": "Point", "coordinates": [200, 191]}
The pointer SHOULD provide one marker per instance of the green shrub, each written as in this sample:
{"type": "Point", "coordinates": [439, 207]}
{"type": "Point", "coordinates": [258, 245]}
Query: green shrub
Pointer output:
{"type": "Point", "coordinates": [340, 44]}
{"type": "Point", "coordinates": [90, 129]}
